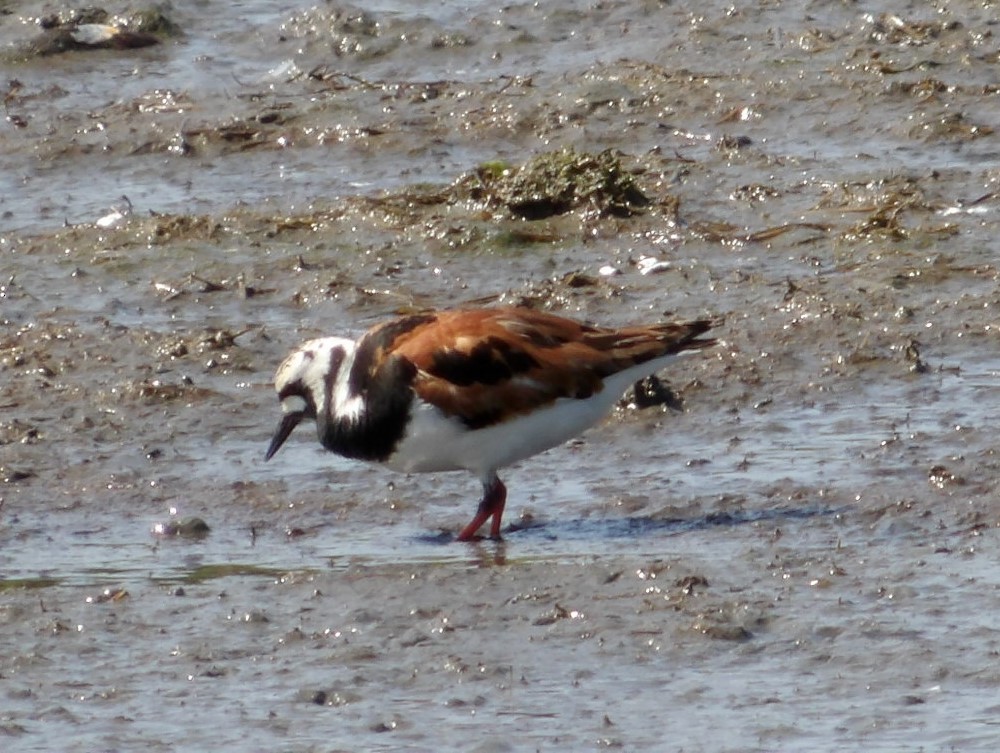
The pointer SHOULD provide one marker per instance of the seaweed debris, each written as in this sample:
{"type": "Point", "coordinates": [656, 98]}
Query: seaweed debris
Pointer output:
{"type": "Point", "coordinates": [558, 182]}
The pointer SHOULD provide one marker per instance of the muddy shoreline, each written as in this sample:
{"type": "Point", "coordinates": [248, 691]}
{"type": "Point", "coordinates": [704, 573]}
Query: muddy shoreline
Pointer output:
{"type": "Point", "coordinates": [801, 559]}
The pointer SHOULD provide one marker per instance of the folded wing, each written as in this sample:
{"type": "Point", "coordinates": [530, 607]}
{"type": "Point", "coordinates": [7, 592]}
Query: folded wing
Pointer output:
{"type": "Point", "coordinates": [483, 365]}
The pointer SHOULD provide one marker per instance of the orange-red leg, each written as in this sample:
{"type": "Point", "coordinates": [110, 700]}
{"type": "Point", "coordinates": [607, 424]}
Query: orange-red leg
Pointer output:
{"type": "Point", "coordinates": [491, 506]}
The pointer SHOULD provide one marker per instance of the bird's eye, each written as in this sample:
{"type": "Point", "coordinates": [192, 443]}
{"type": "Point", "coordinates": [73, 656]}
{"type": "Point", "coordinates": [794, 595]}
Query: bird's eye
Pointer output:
{"type": "Point", "coordinates": [293, 404]}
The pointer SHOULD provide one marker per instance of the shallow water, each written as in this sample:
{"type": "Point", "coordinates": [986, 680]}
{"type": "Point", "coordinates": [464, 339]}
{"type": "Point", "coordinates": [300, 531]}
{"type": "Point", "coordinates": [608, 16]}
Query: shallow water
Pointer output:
{"type": "Point", "coordinates": [802, 559]}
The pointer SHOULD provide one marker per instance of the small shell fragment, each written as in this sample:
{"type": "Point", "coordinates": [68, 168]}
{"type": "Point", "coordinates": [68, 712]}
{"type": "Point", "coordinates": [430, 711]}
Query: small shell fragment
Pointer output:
{"type": "Point", "coordinates": [117, 216]}
{"type": "Point", "coordinates": [648, 265]}
{"type": "Point", "coordinates": [94, 33]}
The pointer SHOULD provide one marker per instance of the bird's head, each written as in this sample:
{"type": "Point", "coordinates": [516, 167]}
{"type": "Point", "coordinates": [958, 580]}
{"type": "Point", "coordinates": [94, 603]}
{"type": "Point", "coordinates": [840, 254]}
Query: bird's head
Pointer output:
{"type": "Point", "coordinates": [304, 383]}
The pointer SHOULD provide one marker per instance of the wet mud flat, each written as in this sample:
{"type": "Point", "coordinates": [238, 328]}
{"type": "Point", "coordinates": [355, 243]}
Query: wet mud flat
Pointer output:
{"type": "Point", "coordinates": [803, 558]}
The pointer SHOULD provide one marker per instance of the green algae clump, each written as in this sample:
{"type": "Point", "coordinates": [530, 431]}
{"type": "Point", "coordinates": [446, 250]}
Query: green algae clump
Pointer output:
{"type": "Point", "coordinates": [559, 182]}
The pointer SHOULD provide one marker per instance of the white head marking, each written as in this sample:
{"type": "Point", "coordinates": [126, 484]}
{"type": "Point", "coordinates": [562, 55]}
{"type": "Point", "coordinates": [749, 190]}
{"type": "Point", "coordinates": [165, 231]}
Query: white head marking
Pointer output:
{"type": "Point", "coordinates": [294, 404]}
{"type": "Point", "coordinates": [305, 380]}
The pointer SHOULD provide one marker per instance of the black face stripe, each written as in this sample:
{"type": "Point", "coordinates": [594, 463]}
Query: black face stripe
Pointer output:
{"type": "Point", "coordinates": [297, 389]}
{"type": "Point", "coordinates": [375, 433]}
{"type": "Point", "coordinates": [336, 358]}
{"type": "Point", "coordinates": [329, 380]}
{"type": "Point", "coordinates": [490, 362]}
{"type": "Point", "coordinates": [291, 389]}
{"type": "Point", "coordinates": [384, 383]}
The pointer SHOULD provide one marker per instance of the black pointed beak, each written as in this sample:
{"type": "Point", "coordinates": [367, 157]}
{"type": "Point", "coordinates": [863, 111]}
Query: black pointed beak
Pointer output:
{"type": "Point", "coordinates": [285, 428]}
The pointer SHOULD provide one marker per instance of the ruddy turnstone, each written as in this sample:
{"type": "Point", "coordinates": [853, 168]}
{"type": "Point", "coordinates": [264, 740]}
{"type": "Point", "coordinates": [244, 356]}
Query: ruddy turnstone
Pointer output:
{"type": "Point", "coordinates": [468, 389]}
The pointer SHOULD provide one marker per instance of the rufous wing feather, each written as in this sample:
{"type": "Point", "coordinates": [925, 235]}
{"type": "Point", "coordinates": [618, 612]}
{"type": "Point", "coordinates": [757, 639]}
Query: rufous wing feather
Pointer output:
{"type": "Point", "coordinates": [482, 365]}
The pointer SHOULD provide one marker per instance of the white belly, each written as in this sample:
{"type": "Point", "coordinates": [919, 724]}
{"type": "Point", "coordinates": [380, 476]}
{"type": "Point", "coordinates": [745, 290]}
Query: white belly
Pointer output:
{"type": "Point", "coordinates": [435, 442]}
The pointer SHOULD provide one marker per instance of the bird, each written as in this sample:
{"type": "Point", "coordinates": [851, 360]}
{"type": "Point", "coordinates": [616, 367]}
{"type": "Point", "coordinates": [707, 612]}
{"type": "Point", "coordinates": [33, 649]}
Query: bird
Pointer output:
{"type": "Point", "coordinates": [472, 389]}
